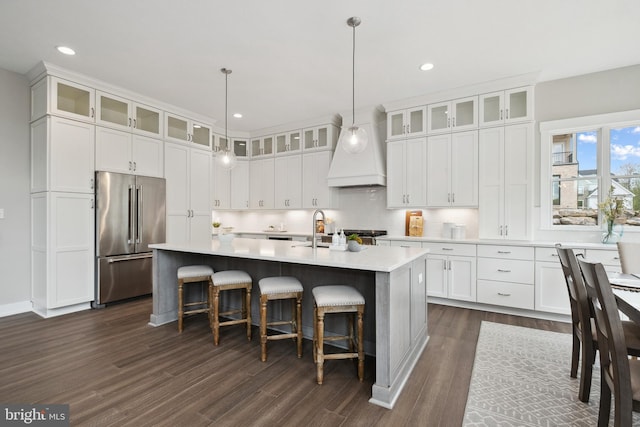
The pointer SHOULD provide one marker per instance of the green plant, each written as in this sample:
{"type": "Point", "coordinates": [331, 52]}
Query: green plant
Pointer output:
{"type": "Point", "coordinates": [612, 207]}
{"type": "Point", "coordinates": [216, 224]}
{"type": "Point", "coordinates": [355, 237]}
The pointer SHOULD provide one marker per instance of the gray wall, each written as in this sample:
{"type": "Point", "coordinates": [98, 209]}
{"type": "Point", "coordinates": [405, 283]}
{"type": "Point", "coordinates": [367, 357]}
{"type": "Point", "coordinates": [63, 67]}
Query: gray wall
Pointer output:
{"type": "Point", "coordinates": [15, 270]}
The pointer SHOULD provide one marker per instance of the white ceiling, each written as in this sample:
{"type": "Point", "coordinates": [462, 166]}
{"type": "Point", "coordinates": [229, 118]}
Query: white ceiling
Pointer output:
{"type": "Point", "coordinates": [291, 59]}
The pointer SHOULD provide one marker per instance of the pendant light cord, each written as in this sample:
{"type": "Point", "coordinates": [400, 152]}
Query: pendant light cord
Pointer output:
{"type": "Point", "coordinates": [226, 104]}
{"type": "Point", "coordinates": [353, 80]}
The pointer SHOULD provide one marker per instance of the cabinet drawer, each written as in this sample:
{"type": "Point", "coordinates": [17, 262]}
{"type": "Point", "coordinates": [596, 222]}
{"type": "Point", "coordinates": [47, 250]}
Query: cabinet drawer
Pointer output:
{"type": "Point", "coordinates": [450, 248]}
{"type": "Point", "coordinates": [551, 254]}
{"type": "Point", "coordinates": [506, 294]}
{"type": "Point", "coordinates": [406, 243]}
{"type": "Point", "coordinates": [506, 252]}
{"type": "Point", "coordinates": [603, 256]}
{"type": "Point", "coordinates": [506, 270]}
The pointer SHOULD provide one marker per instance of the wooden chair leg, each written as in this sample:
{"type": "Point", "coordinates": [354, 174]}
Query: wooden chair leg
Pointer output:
{"type": "Point", "coordinates": [263, 328]}
{"type": "Point", "coordinates": [247, 311]}
{"type": "Point", "coordinates": [215, 325]}
{"type": "Point", "coordinates": [180, 304]}
{"type": "Point", "coordinates": [360, 346]}
{"type": "Point", "coordinates": [320, 347]}
{"type": "Point", "coordinates": [586, 373]}
{"type": "Point", "coordinates": [605, 403]}
{"type": "Point", "coordinates": [575, 356]}
{"type": "Point", "coordinates": [298, 324]}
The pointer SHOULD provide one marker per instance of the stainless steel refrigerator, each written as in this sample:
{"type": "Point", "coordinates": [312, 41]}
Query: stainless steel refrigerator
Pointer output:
{"type": "Point", "coordinates": [130, 215]}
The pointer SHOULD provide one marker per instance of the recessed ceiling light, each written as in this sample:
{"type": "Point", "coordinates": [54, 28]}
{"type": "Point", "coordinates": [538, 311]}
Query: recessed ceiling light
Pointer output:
{"type": "Point", "coordinates": [66, 50]}
{"type": "Point", "coordinates": [426, 66]}
{"type": "Point", "coordinates": [237, 115]}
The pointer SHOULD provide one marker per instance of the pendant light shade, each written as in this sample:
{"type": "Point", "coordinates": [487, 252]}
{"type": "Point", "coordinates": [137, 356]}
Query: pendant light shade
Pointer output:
{"type": "Point", "coordinates": [226, 158]}
{"type": "Point", "coordinates": [353, 139]}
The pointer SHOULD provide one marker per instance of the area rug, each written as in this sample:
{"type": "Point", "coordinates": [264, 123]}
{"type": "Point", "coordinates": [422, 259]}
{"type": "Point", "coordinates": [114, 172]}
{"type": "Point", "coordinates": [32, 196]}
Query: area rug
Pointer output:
{"type": "Point", "coordinates": [521, 378]}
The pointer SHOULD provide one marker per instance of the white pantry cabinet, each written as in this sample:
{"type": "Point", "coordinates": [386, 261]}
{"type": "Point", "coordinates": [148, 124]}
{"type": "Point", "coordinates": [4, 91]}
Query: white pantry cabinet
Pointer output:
{"type": "Point", "coordinates": [453, 116]}
{"type": "Point", "coordinates": [52, 95]}
{"type": "Point", "coordinates": [62, 251]}
{"type": "Point", "coordinates": [407, 123]}
{"type": "Point", "coordinates": [261, 179]}
{"type": "Point", "coordinates": [323, 137]}
{"type": "Point", "coordinates": [181, 129]}
{"type": "Point", "coordinates": [188, 175]}
{"type": "Point", "coordinates": [452, 170]}
{"type": "Point", "coordinates": [288, 182]}
{"type": "Point", "coordinates": [505, 182]}
{"type": "Point", "coordinates": [124, 152]}
{"type": "Point", "coordinates": [124, 114]}
{"type": "Point", "coordinates": [315, 191]}
{"type": "Point", "coordinates": [62, 155]}
{"type": "Point", "coordinates": [506, 107]}
{"type": "Point", "coordinates": [240, 186]}
{"type": "Point", "coordinates": [406, 173]}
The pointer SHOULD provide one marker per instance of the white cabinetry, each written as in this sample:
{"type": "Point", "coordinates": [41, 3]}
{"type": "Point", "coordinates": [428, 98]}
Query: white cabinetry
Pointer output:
{"type": "Point", "coordinates": [453, 116]}
{"type": "Point", "coordinates": [262, 146]}
{"type": "Point", "coordinates": [406, 173]}
{"type": "Point", "coordinates": [452, 170]}
{"type": "Point", "coordinates": [407, 123]}
{"type": "Point", "coordinates": [505, 107]}
{"type": "Point", "coordinates": [124, 114]}
{"type": "Point", "coordinates": [322, 137]}
{"type": "Point", "coordinates": [59, 97]}
{"type": "Point", "coordinates": [451, 270]}
{"type": "Point", "coordinates": [62, 153]}
{"type": "Point", "coordinates": [505, 182]}
{"type": "Point", "coordinates": [62, 251]}
{"type": "Point", "coordinates": [288, 143]}
{"type": "Point", "coordinates": [188, 175]}
{"type": "Point", "coordinates": [261, 179]}
{"type": "Point", "coordinates": [230, 188]}
{"type": "Point", "coordinates": [240, 186]}
{"type": "Point", "coordinates": [288, 182]}
{"type": "Point", "coordinates": [124, 152]}
{"type": "Point", "coordinates": [506, 276]}
{"type": "Point", "coordinates": [181, 129]}
{"type": "Point", "coordinates": [551, 289]}
{"type": "Point", "coordinates": [315, 191]}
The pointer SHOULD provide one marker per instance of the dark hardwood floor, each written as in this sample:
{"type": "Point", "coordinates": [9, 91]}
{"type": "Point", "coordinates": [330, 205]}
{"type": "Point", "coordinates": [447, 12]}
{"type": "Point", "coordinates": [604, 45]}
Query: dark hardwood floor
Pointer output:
{"type": "Point", "coordinates": [114, 369]}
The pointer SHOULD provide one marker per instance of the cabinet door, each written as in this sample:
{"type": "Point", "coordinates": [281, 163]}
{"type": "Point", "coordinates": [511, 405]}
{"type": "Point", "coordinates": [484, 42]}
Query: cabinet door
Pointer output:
{"type": "Point", "coordinates": [113, 150]}
{"type": "Point", "coordinates": [439, 117]}
{"type": "Point", "coordinates": [416, 121]}
{"type": "Point", "coordinates": [517, 185]}
{"type": "Point", "coordinates": [490, 183]}
{"type": "Point", "coordinates": [240, 186]}
{"type": "Point", "coordinates": [465, 114]}
{"type": "Point", "coordinates": [113, 111]}
{"type": "Point", "coordinates": [396, 195]}
{"type": "Point", "coordinates": [437, 276]}
{"type": "Point", "coordinates": [464, 169]}
{"type": "Point", "coordinates": [147, 120]}
{"type": "Point", "coordinates": [261, 191]}
{"type": "Point", "coordinates": [71, 279]}
{"type": "Point", "coordinates": [200, 182]}
{"type": "Point", "coordinates": [438, 171]}
{"type": "Point", "coordinates": [72, 100]}
{"type": "Point", "coordinates": [147, 156]}
{"type": "Point", "coordinates": [201, 135]}
{"type": "Point", "coordinates": [518, 105]}
{"type": "Point", "coordinates": [176, 169]}
{"type": "Point", "coordinates": [462, 278]}
{"type": "Point", "coordinates": [221, 186]}
{"type": "Point", "coordinates": [551, 292]}
{"type": "Point", "coordinates": [416, 171]}
{"type": "Point", "coordinates": [395, 124]}
{"type": "Point", "coordinates": [315, 191]}
{"type": "Point", "coordinates": [240, 148]}
{"type": "Point", "coordinates": [287, 182]}
{"type": "Point", "coordinates": [492, 109]}
{"type": "Point", "coordinates": [72, 148]}
{"type": "Point", "coordinates": [177, 128]}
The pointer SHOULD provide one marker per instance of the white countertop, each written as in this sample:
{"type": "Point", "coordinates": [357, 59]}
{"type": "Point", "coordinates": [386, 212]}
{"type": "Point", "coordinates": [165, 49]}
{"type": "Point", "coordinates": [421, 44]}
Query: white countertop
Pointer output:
{"type": "Point", "coordinates": [371, 258]}
{"type": "Point", "coordinates": [533, 243]}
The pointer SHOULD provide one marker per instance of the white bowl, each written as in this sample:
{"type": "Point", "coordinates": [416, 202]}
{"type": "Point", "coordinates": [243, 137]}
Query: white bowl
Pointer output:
{"type": "Point", "coordinates": [226, 238]}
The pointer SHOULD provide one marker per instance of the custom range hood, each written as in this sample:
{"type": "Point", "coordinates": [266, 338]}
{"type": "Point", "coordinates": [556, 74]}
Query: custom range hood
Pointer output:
{"type": "Point", "coordinates": [367, 167]}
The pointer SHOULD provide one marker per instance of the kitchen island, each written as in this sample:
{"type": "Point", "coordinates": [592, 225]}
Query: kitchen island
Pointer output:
{"type": "Point", "coordinates": [392, 280]}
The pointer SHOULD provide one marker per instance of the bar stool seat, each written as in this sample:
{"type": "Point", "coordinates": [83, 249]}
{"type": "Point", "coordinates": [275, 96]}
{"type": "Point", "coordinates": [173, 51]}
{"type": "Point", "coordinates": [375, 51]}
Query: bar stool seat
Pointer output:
{"type": "Point", "coordinates": [278, 288]}
{"type": "Point", "coordinates": [193, 274]}
{"type": "Point", "coordinates": [225, 281]}
{"type": "Point", "coordinates": [337, 299]}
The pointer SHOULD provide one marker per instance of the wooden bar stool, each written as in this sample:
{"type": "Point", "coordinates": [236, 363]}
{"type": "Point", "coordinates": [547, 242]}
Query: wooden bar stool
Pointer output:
{"type": "Point", "coordinates": [278, 288]}
{"type": "Point", "coordinates": [225, 281]}
{"type": "Point", "coordinates": [193, 274]}
{"type": "Point", "coordinates": [337, 299]}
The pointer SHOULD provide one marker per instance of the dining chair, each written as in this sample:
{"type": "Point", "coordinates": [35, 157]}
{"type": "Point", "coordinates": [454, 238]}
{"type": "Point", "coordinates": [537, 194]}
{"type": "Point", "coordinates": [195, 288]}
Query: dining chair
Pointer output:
{"type": "Point", "coordinates": [620, 375]}
{"type": "Point", "coordinates": [629, 254]}
{"type": "Point", "coordinates": [585, 338]}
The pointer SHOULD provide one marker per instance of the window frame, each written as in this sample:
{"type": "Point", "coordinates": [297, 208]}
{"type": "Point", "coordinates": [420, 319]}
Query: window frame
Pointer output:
{"type": "Point", "coordinates": [601, 123]}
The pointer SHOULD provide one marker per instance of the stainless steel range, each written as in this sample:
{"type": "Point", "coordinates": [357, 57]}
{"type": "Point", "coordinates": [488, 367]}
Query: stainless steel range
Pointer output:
{"type": "Point", "coordinates": [368, 236]}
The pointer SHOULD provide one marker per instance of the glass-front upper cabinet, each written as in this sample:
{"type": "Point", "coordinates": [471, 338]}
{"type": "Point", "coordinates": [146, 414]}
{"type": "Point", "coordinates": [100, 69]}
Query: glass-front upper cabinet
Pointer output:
{"type": "Point", "coordinates": [453, 116]}
{"type": "Point", "coordinates": [406, 123]}
{"type": "Point", "coordinates": [288, 142]}
{"type": "Point", "coordinates": [262, 146]}
{"type": "Point", "coordinates": [320, 137]}
{"type": "Point", "coordinates": [62, 98]}
{"type": "Point", "coordinates": [121, 113]}
{"type": "Point", "coordinates": [181, 129]}
{"type": "Point", "coordinates": [240, 147]}
{"type": "Point", "coordinates": [508, 106]}
{"type": "Point", "coordinates": [201, 134]}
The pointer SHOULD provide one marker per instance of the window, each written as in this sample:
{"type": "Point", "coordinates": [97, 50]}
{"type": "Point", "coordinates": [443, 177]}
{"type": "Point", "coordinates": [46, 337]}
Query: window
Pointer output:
{"type": "Point", "coordinates": [579, 157]}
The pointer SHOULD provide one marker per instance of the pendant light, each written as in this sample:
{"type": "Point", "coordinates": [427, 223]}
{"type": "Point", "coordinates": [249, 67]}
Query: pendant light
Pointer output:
{"type": "Point", "coordinates": [226, 158]}
{"type": "Point", "coordinates": [354, 139]}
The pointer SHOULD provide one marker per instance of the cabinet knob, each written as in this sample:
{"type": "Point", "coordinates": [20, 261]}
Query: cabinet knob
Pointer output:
{"type": "Point", "coordinates": [506, 116]}
{"type": "Point", "coordinates": [129, 121]}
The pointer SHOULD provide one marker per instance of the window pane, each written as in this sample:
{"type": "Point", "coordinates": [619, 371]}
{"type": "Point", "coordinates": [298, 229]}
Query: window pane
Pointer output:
{"type": "Point", "coordinates": [577, 201]}
{"type": "Point", "coordinates": [625, 165]}
{"type": "Point", "coordinates": [575, 154]}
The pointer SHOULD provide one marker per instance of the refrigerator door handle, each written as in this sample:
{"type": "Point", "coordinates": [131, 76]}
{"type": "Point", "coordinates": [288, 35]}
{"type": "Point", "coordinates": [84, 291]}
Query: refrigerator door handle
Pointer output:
{"type": "Point", "coordinates": [130, 258]}
{"type": "Point", "coordinates": [138, 213]}
{"type": "Point", "coordinates": [131, 213]}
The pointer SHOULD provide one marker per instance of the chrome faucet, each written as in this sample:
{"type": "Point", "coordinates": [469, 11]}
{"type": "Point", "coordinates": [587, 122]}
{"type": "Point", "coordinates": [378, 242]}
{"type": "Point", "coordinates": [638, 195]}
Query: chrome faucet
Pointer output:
{"type": "Point", "coordinates": [314, 243]}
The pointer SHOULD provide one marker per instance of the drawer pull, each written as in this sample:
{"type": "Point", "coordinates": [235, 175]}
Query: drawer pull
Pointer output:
{"type": "Point", "coordinates": [504, 271]}
{"type": "Point", "coordinates": [556, 255]}
{"type": "Point", "coordinates": [504, 252]}
{"type": "Point", "coordinates": [447, 249]}
{"type": "Point", "coordinates": [503, 294]}
{"type": "Point", "coordinates": [616, 257]}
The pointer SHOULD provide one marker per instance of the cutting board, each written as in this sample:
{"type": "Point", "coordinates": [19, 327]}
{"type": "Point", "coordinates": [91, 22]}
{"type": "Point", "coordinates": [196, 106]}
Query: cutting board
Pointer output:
{"type": "Point", "coordinates": [413, 223]}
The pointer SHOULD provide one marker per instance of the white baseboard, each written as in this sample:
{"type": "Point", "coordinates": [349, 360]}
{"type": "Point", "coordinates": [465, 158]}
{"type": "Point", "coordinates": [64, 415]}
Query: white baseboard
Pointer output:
{"type": "Point", "coordinates": [15, 308]}
{"type": "Point", "coordinates": [52, 312]}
